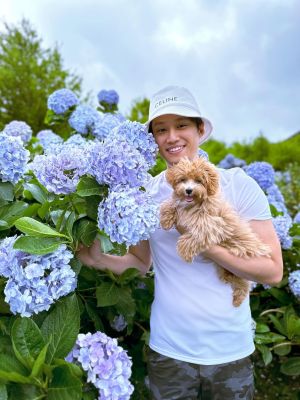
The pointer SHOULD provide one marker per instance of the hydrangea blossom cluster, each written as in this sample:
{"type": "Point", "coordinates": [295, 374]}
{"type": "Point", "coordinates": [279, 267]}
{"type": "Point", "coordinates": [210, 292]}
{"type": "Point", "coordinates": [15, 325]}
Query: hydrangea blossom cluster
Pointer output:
{"type": "Point", "coordinates": [262, 172]}
{"type": "Point", "coordinates": [294, 283]}
{"type": "Point", "coordinates": [13, 159]}
{"type": "Point", "coordinates": [128, 215]}
{"type": "Point", "coordinates": [282, 225]}
{"type": "Point", "coordinates": [18, 129]}
{"type": "Point", "coordinates": [107, 365]}
{"type": "Point", "coordinates": [276, 199]}
{"type": "Point", "coordinates": [35, 282]}
{"type": "Point", "coordinates": [60, 173]}
{"type": "Point", "coordinates": [138, 136]}
{"type": "Point", "coordinates": [84, 118]}
{"type": "Point", "coordinates": [283, 176]}
{"type": "Point", "coordinates": [119, 323]}
{"type": "Point", "coordinates": [110, 97]}
{"type": "Point", "coordinates": [109, 166]}
{"type": "Point", "coordinates": [106, 124]}
{"type": "Point", "coordinates": [62, 100]}
{"type": "Point", "coordinates": [230, 161]}
{"type": "Point", "coordinates": [49, 140]}
{"type": "Point", "coordinates": [75, 140]}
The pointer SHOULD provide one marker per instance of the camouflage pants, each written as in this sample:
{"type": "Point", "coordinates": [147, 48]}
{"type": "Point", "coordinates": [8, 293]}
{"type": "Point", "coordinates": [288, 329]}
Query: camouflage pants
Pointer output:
{"type": "Point", "coordinates": [174, 379]}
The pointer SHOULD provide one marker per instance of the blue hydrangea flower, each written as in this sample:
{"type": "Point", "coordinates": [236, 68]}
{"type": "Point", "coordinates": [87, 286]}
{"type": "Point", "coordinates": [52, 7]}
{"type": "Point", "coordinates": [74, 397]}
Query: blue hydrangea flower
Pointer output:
{"type": "Point", "coordinates": [128, 215]}
{"type": "Point", "coordinates": [49, 140]}
{"type": "Point", "coordinates": [107, 365]}
{"type": "Point", "coordinates": [18, 129]}
{"type": "Point", "coordinates": [108, 96]}
{"type": "Point", "coordinates": [119, 323]}
{"type": "Point", "coordinates": [60, 173]}
{"type": "Point", "coordinates": [282, 225]}
{"type": "Point", "coordinates": [138, 136]}
{"type": "Point", "coordinates": [262, 172]}
{"type": "Point", "coordinates": [230, 161]}
{"type": "Point", "coordinates": [75, 140]}
{"type": "Point", "coordinates": [83, 119]}
{"type": "Point", "coordinates": [35, 282]}
{"type": "Point", "coordinates": [294, 283]}
{"type": "Point", "coordinates": [276, 198]}
{"type": "Point", "coordinates": [283, 176]}
{"type": "Point", "coordinates": [202, 153]}
{"type": "Point", "coordinates": [116, 162]}
{"type": "Point", "coordinates": [297, 218]}
{"type": "Point", "coordinates": [13, 159]}
{"type": "Point", "coordinates": [62, 100]}
{"type": "Point", "coordinates": [106, 124]}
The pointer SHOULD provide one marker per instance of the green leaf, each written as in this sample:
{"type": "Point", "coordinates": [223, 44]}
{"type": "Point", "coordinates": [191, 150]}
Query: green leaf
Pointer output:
{"type": "Point", "coordinates": [61, 327]}
{"type": "Point", "coordinates": [37, 192]}
{"type": "Point", "coordinates": [291, 366]}
{"type": "Point", "coordinates": [69, 223]}
{"type": "Point", "coordinates": [128, 275]}
{"type": "Point", "coordinates": [39, 362]}
{"type": "Point", "coordinates": [282, 349]}
{"type": "Point", "coordinates": [6, 191]}
{"type": "Point", "coordinates": [106, 244]}
{"type": "Point", "coordinates": [107, 294]}
{"type": "Point", "coordinates": [10, 363]}
{"type": "Point", "coordinates": [269, 337]}
{"type": "Point", "coordinates": [280, 295]}
{"type": "Point", "coordinates": [11, 212]}
{"type": "Point", "coordinates": [94, 315]}
{"type": "Point", "coordinates": [278, 324]}
{"type": "Point", "coordinates": [64, 385]}
{"type": "Point", "coordinates": [35, 228]}
{"type": "Point", "coordinates": [86, 231]}
{"type": "Point", "coordinates": [88, 186]}
{"type": "Point", "coordinates": [27, 341]}
{"type": "Point", "coordinates": [291, 322]}
{"type": "Point", "coordinates": [14, 377]}
{"type": "Point", "coordinates": [3, 392]}
{"type": "Point", "coordinates": [261, 328]}
{"type": "Point", "coordinates": [37, 245]}
{"type": "Point", "coordinates": [266, 353]}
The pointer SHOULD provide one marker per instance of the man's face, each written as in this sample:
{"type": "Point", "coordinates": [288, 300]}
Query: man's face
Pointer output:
{"type": "Point", "coordinates": [176, 137]}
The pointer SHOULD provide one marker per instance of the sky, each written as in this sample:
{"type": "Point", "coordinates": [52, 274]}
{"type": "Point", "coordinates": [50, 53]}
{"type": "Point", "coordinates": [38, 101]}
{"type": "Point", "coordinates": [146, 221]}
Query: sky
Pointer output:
{"type": "Point", "coordinates": [239, 58]}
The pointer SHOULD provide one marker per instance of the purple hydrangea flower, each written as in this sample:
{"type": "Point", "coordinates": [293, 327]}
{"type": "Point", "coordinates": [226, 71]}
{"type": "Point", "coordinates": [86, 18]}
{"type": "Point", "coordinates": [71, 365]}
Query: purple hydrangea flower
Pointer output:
{"type": "Point", "coordinates": [282, 225]}
{"type": "Point", "coordinates": [35, 282]}
{"type": "Point", "coordinates": [62, 100]}
{"type": "Point", "coordinates": [262, 172]}
{"type": "Point", "coordinates": [276, 199]}
{"type": "Point", "coordinates": [230, 161]}
{"type": "Point", "coordinates": [116, 162]}
{"type": "Point", "coordinates": [49, 140]}
{"type": "Point", "coordinates": [60, 173]}
{"type": "Point", "coordinates": [283, 176]}
{"type": "Point", "coordinates": [13, 159]}
{"type": "Point", "coordinates": [107, 365]}
{"type": "Point", "coordinates": [76, 141]}
{"type": "Point", "coordinates": [294, 283]}
{"type": "Point", "coordinates": [137, 135]}
{"type": "Point", "coordinates": [128, 215]}
{"type": "Point", "coordinates": [106, 124]}
{"type": "Point", "coordinates": [18, 129]}
{"type": "Point", "coordinates": [110, 97]}
{"type": "Point", "coordinates": [119, 323]}
{"type": "Point", "coordinates": [83, 119]}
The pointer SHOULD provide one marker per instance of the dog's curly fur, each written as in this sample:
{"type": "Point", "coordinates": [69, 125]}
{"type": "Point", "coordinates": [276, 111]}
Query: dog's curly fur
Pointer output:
{"type": "Point", "coordinates": [204, 218]}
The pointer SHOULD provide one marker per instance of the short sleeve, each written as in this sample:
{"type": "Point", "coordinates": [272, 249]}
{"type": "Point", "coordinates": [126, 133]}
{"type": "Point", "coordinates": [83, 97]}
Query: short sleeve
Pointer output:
{"type": "Point", "coordinates": [248, 198]}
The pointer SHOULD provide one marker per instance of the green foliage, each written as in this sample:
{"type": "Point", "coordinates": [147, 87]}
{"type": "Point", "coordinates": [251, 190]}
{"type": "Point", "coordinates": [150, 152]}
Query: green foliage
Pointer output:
{"type": "Point", "coordinates": [139, 110]}
{"type": "Point", "coordinates": [29, 73]}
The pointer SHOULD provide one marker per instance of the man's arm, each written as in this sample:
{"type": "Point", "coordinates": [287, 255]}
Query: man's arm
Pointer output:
{"type": "Point", "coordinates": [137, 257]}
{"type": "Point", "coordinates": [259, 269]}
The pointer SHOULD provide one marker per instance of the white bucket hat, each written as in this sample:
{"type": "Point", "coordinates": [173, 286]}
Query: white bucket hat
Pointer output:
{"type": "Point", "coordinates": [179, 101]}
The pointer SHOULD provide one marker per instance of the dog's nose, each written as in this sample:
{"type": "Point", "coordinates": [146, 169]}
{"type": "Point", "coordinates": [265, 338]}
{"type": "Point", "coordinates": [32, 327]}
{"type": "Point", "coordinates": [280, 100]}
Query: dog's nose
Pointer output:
{"type": "Point", "coordinates": [188, 191]}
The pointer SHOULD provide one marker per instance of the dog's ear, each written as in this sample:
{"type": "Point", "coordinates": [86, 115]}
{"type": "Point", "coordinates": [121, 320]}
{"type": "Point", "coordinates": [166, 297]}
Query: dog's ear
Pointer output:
{"type": "Point", "coordinates": [212, 179]}
{"type": "Point", "coordinates": [174, 173]}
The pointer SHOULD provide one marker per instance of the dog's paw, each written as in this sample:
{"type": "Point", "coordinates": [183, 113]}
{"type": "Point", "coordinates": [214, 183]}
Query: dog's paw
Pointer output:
{"type": "Point", "coordinates": [184, 250]}
{"type": "Point", "coordinates": [166, 223]}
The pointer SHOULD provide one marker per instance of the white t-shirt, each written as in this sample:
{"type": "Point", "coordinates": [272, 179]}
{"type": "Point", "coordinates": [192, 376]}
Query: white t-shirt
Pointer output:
{"type": "Point", "coordinates": [192, 316]}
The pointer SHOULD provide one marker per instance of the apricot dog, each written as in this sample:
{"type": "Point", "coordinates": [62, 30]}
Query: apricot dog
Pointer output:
{"type": "Point", "coordinates": [204, 218]}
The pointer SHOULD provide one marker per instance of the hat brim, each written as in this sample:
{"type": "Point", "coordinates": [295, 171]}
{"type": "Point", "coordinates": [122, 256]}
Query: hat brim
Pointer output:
{"type": "Point", "coordinates": [187, 112]}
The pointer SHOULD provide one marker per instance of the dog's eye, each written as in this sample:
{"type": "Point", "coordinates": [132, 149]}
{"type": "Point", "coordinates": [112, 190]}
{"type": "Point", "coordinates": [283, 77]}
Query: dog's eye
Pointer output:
{"type": "Point", "coordinates": [182, 180]}
{"type": "Point", "coordinates": [198, 180]}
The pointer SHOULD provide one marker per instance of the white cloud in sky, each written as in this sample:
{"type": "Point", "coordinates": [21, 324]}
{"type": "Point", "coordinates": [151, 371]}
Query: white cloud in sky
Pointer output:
{"type": "Point", "coordinates": [240, 58]}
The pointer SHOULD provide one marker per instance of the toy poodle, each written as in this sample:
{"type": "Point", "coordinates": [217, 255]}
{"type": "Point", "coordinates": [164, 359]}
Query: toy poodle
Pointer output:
{"type": "Point", "coordinates": [204, 218]}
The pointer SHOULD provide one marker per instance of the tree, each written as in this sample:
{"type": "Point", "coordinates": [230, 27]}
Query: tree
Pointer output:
{"type": "Point", "coordinates": [29, 73]}
{"type": "Point", "coordinates": [139, 110]}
